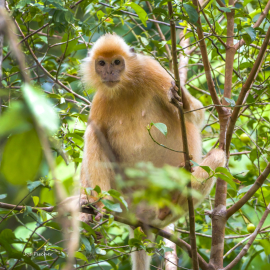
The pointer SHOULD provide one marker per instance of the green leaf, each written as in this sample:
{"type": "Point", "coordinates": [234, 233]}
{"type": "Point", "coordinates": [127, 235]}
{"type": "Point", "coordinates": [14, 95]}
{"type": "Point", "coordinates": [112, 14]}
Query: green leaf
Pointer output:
{"type": "Point", "coordinates": [100, 14]}
{"type": "Point", "coordinates": [97, 189]}
{"type": "Point", "coordinates": [100, 251]}
{"type": "Point", "coordinates": [245, 65]}
{"type": "Point", "coordinates": [113, 265]}
{"type": "Point", "coordinates": [266, 245]}
{"type": "Point", "coordinates": [227, 179]}
{"type": "Point", "coordinates": [81, 256]}
{"type": "Point", "coordinates": [3, 196]}
{"type": "Point", "coordinates": [161, 127]}
{"type": "Point", "coordinates": [86, 244]}
{"type": "Point", "coordinates": [225, 171]}
{"type": "Point", "coordinates": [117, 195]}
{"type": "Point", "coordinates": [192, 13]}
{"type": "Point", "coordinates": [251, 35]}
{"type": "Point", "coordinates": [54, 225]}
{"type": "Point", "coordinates": [140, 12]}
{"type": "Point", "coordinates": [32, 185]}
{"type": "Point", "coordinates": [41, 108]}
{"type": "Point", "coordinates": [22, 157]}
{"type": "Point", "coordinates": [194, 163]}
{"type": "Point", "coordinates": [115, 207]}
{"type": "Point", "coordinates": [230, 101]}
{"type": "Point", "coordinates": [27, 211]}
{"type": "Point", "coordinates": [7, 235]}
{"type": "Point", "coordinates": [35, 200]}
{"type": "Point", "coordinates": [207, 169]}
{"type": "Point", "coordinates": [133, 242]}
{"type": "Point", "coordinates": [225, 9]}
{"type": "Point", "coordinates": [139, 234]}
{"type": "Point", "coordinates": [14, 119]}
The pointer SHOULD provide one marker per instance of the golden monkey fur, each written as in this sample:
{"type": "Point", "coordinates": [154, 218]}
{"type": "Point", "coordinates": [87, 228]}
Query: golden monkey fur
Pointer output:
{"type": "Point", "coordinates": [136, 97]}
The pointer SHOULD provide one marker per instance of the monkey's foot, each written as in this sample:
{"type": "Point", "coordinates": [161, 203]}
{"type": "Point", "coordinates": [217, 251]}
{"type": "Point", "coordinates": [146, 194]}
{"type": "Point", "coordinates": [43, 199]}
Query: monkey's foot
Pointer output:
{"type": "Point", "coordinates": [93, 202]}
{"type": "Point", "coordinates": [173, 96]}
{"type": "Point", "coordinates": [165, 211]}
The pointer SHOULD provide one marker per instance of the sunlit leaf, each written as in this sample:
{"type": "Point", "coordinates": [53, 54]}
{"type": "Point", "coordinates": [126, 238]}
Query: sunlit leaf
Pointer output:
{"type": "Point", "coordinates": [21, 157]}
{"type": "Point", "coordinates": [41, 108]}
{"type": "Point", "coordinates": [140, 11]}
{"type": "Point", "coordinates": [192, 13]}
{"type": "Point", "coordinates": [161, 127]}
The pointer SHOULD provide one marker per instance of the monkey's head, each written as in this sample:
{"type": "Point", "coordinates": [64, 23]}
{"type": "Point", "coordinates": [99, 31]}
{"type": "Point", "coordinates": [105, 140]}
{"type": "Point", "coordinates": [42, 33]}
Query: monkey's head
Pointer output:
{"type": "Point", "coordinates": [108, 63]}
{"type": "Point", "coordinates": [109, 69]}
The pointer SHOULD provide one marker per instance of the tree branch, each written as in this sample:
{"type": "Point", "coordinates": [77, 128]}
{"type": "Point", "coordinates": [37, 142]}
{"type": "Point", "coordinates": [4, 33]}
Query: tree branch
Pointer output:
{"type": "Point", "coordinates": [179, 242]}
{"type": "Point", "coordinates": [161, 36]}
{"type": "Point", "coordinates": [2, 5]}
{"type": "Point", "coordinates": [41, 28]}
{"type": "Point", "coordinates": [258, 183]}
{"type": "Point", "coordinates": [238, 45]}
{"type": "Point", "coordinates": [245, 88]}
{"type": "Point", "coordinates": [244, 251]}
{"type": "Point", "coordinates": [22, 207]}
{"type": "Point", "coordinates": [47, 72]}
{"type": "Point", "coordinates": [185, 142]}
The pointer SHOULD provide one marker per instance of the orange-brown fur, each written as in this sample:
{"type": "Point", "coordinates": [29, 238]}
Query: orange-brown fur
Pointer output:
{"type": "Point", "coordinates": [122, 114]}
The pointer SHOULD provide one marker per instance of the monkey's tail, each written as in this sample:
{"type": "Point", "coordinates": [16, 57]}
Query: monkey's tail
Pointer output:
{"type": "Point", "coordinates": [140, 259]}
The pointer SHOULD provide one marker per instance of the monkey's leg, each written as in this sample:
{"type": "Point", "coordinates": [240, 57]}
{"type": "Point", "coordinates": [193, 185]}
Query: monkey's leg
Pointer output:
{"type": "Point", "coordinates": [215, 158]}
{"type": "Point", "coordinates": [140, 259]}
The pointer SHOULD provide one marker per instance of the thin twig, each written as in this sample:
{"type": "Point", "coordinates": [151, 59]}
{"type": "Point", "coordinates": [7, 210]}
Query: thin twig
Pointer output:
{"type": "Point", "coordinates": [184, 140]}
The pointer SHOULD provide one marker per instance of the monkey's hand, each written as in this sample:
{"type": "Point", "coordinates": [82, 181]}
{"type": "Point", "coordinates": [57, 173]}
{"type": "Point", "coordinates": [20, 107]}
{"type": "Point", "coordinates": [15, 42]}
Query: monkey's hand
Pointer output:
{"type": "Point", "coordinates": [182, 165]}
{"type": "Point", "coordinates": [173, 96]}
{"type": "Point", "coordinates": [94, 203]}
{"type": "Point", "coordinates": [88, 202]}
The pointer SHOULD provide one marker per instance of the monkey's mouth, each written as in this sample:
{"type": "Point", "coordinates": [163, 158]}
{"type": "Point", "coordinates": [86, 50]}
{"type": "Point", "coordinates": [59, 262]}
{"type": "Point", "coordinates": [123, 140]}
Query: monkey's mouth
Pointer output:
{"type": "Point", "coordinates": [111, 83]}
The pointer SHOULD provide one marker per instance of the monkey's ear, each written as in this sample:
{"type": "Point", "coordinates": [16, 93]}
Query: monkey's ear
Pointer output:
{"type": "Point", "coordinates": [133, 53]}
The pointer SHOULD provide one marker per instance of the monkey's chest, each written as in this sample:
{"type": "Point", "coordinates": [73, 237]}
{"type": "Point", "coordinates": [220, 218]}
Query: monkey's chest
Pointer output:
{"type": "Point", "coordinates": [132, 143]}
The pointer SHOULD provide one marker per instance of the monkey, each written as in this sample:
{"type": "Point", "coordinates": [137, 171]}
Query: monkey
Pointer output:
{"type": "Point", "coordinates": [133, 90]}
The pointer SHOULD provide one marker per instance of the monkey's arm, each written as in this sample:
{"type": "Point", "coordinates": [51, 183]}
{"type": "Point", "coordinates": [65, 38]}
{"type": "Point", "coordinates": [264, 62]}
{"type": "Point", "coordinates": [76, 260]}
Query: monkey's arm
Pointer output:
{"type": "Point", "coordinates": [96, 170]}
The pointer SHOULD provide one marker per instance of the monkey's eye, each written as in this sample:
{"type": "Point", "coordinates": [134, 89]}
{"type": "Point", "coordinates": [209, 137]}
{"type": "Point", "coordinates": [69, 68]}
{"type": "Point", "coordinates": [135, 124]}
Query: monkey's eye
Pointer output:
{"type": "Point", "coordinates": [117, 62]}
{"type": "Point", "coordinates": [102, 63]}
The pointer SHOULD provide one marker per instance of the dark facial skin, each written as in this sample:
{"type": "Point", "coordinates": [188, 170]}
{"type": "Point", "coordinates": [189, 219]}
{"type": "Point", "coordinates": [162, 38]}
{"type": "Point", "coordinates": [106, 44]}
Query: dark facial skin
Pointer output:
{"type": "Point", "coordinates": [110, 69]}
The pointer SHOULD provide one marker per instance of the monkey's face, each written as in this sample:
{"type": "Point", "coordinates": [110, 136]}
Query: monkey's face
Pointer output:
{"type": "Point", "coordinates": [110, 69]}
